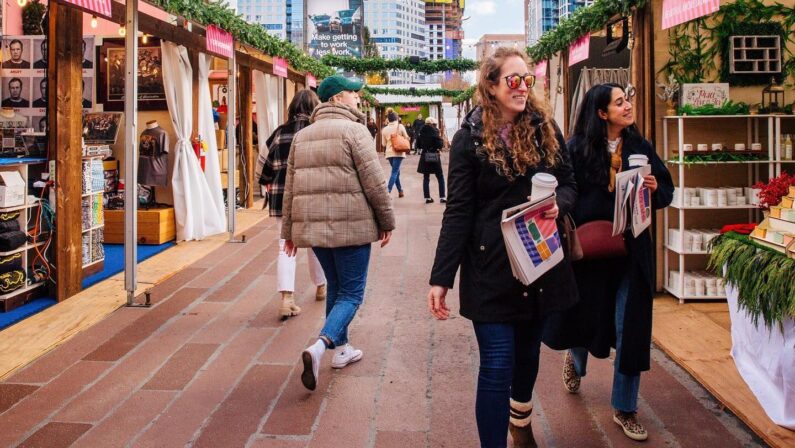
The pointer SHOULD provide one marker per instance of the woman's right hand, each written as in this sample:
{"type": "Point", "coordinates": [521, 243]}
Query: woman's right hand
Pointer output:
{"type": "Point", "coordinates": [436, 302]}
{"type": "Point", "coordinates": [290, 249]}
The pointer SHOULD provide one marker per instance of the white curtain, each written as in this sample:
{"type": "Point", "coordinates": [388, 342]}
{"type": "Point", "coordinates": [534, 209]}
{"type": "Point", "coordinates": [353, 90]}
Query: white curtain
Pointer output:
{"type": "Point", "coordinates": [266, 95]}
{"type": "Point", "coordinates": [195, 220]}
{"type": "Point", "coordinates": [216, 215]}
{"type": "Point", "coordinates": [590, 77]}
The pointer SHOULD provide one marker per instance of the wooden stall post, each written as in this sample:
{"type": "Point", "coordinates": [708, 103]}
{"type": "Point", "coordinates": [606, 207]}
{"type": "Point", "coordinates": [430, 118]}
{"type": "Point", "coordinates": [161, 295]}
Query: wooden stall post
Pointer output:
{"type": "Point", "coordinates": [246, 138]}
{"type": "Point", "coordinates": [65, 109]}
{"type": "Point", "coordinates": [641, 72]}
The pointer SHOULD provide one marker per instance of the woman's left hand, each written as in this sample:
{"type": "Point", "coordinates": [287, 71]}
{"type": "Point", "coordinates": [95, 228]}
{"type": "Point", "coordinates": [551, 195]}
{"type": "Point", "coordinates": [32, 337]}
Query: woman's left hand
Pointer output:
{"type": "Point", "coordinates": [650, 182]}
{"type": "Point", "coordinates": [553, 212]}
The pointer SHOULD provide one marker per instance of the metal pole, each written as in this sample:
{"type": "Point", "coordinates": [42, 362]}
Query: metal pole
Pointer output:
{"type": "Point", "coordinates": [231, 137]}
{"type": "Point", "coordinates": [130, 139]}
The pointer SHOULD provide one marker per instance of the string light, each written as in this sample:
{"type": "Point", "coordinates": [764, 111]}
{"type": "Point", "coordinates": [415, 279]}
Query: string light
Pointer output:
{"type": "Point", "coordinates": [22, 3]}
{"type": "Point", "coordinates": [145, 39]}
{"type": "Point", "coordinates": [94, 21]}
{"type": "Point", "coordinates": [122, 31]}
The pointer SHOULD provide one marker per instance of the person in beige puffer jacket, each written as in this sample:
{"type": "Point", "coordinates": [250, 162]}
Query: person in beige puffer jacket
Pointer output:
{"type": "Point", "coordinates": [336, 202]}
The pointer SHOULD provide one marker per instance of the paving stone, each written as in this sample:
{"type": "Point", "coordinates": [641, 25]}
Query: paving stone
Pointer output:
{"type": "Point", "coordinates": [351, 403]}
{"type": "Point", "coordinates": [181, 367]}
{"type": "Point", "coordinates": [120, 426]}
{"type": "Point", "coordinates": [399, 439]}
{"type": "Point", "coordinates": [30, 412]}
{"type": "Point", "coordinates": [240, 414]}
{"type": "Point", "coordinates": [297, 408]}
{"type": "Point", "coordinates": [169, 286]}
{"type": "Point", "coordinates": [265, 442]}
{"type": "Point", "coordinates": [242, 279]}
{"type": "Point", "coordinates": [11, 394]}
{"type": "Point", "coordinates": [237, 315]}
{"type": "Point", "coordinates": [55, 435]}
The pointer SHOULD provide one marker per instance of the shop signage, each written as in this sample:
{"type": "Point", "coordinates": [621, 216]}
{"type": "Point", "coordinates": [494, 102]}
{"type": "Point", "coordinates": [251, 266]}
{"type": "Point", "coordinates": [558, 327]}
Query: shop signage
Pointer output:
{"type": "Point", "coordinates": [578, 51]}
{"type": "Point", "coordinates": [541, 69]}
{"type": "Point", "coordinates": [99, 7]}
{"type": "Point", "coordinates": [675, 12]}
{"type": "Point", "coordinates": [311, 81]}
{"type": "Point", "coordinates": [334, 27]}
{"type": "Point", "coordinates": [701, 94]}
{"type": "Point", "coordinates": [279, 67]}
{"type": "Point", "coordinates": [410, 109]}
{"type": "Point", "coordinates": [219, 41]}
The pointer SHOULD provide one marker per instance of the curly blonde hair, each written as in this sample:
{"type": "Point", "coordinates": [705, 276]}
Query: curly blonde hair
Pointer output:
{"type": "Point", "coordinates": [523, 153]}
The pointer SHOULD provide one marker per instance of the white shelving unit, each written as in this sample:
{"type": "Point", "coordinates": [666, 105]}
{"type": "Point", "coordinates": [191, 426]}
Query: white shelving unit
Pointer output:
{"type": "Point", "coordinates": [27, 209]}
{"type": "Point", "coordinates": [93, 216]}
{"type": "Point", "coordinates": [754, 125]}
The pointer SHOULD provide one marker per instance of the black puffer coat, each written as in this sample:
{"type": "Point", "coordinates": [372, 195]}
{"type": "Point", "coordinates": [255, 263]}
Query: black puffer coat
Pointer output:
{"type": "Point", "coordinates": [429, 141]}
{"type": "Point", "coordinates": [471, 236]}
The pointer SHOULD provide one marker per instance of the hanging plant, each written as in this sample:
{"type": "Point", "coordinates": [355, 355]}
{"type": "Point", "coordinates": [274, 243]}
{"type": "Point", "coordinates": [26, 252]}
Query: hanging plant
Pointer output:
{"type": "Point", "coordinates": [465, 96]}
{"type": "Point", "coordinates": [363, 66]}
{"type": "Point", "coordinates": [32, 17]}
{"type": "Point", "coordinates": [414, 91]}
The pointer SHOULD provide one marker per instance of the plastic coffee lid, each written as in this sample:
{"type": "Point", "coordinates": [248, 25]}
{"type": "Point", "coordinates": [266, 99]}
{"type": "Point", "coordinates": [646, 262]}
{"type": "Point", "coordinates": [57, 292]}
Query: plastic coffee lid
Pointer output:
{"type": "Point", "coordinates": [542, 179]}
{"type": "Point", "coordinates": [638, 158]}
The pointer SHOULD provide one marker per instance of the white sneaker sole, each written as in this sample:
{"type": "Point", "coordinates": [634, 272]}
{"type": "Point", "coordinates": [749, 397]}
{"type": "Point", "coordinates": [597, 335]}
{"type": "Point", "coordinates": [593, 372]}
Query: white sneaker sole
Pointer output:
{"type": "Point", "coordinates": [350, 361]}
{"type": "Point", "coordinates": [635, 437]}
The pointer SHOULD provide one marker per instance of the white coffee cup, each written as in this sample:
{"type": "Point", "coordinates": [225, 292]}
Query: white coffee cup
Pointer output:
{"type": "Point", "coordinates": [703, 147]}
{"type": "Point", "coordinates": [543, 185]}
{"type": "Point", "coordinates": [717, 146]}
{"type": "Point", "coordinates": [687, 147]}
{"type": "Point", "coordinates": [638, 160]}
{"type": "Point", "coordinates": [739, 146]}
{"type": "Point", "coordinates": [756, 146]}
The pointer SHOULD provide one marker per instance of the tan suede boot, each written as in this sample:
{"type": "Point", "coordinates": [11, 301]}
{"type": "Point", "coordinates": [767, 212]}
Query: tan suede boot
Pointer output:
{"type": "Point", "coordinates": [519, 425]}
{"type": "Point", "coordinates": [320, 295]}
{"type": "Point", "coordinates": [288, 307]}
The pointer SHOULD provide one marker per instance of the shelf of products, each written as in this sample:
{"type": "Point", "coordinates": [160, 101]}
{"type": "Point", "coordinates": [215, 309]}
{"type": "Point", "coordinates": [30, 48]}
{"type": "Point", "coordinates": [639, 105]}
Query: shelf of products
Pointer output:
{"type": "Point", "coordinates": [20, 226]}
{"type": "Point", "coordinates": [696, 174]}
{"type": "Point", "coordinates": [93, 216]}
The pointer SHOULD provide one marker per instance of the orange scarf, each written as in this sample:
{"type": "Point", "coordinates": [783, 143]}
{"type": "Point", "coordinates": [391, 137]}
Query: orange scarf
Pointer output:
{"type": "Point", "coordinates": [615, 166]}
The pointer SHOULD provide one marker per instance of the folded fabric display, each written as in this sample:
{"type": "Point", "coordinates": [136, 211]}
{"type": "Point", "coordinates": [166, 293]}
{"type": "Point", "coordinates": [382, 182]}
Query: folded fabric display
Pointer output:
{"type": "Point", "coordinates": [11, 263]}
{"type": "Point", "coordinates": [11, 281]}
{"type": "Point", "coordinates": [743, 229]}
{"type": "Point", "coordinates": [10, 216]}
{"type": "Point", "coordinates": [12, 240]}
{"type": "Point", "coordinates": [8, 226]}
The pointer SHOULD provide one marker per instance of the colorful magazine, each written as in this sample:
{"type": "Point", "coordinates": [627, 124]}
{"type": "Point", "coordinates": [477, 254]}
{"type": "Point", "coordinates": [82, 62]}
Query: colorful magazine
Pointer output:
{"type": "Point", "coordinates": [532, 241]}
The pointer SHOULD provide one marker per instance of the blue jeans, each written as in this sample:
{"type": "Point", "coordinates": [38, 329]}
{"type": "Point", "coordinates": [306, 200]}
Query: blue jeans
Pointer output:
{"type": "Point", "coordinates": [346, 276]}
{"type": "Point", "coordinates": [394, 178]}
{"type": "Point", "coordinates": [426, 185]}
{"type": "Point", "coordinates": [509, 354]}
{"type": "Point", "coordinates": [625, 387]}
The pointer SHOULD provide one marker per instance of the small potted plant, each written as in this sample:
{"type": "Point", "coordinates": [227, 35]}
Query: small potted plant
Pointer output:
{"type": "Point", "coordinates": [669, 93]}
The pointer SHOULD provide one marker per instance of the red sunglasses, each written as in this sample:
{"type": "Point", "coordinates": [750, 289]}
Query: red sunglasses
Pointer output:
{"type": "Point", "coordinates": [514, 81]}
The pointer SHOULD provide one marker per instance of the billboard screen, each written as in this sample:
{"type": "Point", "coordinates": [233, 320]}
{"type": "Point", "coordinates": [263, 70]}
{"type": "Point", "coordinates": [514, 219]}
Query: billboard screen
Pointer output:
{"type": "Point", "coordinates": [334, 27]}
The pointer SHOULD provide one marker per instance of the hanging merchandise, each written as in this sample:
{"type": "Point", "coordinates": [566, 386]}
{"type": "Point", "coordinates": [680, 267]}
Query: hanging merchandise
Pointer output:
{"type": "Point", "coordinates": [153, 155]}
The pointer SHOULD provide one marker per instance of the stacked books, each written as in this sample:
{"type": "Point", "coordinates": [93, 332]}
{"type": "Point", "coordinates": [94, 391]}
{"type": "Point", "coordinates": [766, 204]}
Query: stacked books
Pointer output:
{"type": "Point", "coordinates": [532, 241]}
{"type": "Point", "coordinates": [777, 230]}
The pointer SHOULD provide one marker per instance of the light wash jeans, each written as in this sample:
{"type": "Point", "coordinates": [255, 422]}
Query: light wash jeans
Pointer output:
{"type": "Point", "coordinates": [285, 267]}
{"type": "Point", "coordinates": [625, 387]}
{"type": "Point", "coordinates": [346, 275]}
{"type": "Point", "coordinates": [394, 178]}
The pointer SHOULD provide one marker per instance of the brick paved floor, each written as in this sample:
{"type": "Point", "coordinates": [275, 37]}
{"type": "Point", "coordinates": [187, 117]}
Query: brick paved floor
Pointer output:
{"type": "Point", "coordinates": [210, 365]}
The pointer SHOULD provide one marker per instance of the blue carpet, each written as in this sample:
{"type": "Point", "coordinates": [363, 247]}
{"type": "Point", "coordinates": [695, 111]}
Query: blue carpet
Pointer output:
{"type": "Point", "coordinates": [25, 311]}
{"type": "Point", "coordinates": [114, 260]}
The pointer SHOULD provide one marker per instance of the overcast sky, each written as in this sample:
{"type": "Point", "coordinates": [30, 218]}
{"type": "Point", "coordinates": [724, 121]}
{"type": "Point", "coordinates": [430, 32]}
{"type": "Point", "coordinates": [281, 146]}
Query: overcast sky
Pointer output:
{"type": "Point", "coordinates": [491, 17]}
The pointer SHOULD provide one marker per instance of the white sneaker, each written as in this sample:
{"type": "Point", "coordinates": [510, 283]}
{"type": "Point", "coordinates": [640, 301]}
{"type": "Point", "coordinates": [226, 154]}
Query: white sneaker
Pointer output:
{"type": "Point", "coordinates": [345, 356]}
{"type": "Point", "coordinates": [311, 362]}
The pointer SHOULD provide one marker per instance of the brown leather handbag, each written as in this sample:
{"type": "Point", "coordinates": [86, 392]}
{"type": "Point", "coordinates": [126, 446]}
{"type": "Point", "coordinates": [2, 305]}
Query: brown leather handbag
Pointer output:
{"type": "Point", "coordinates": [572, 240]}
{"type": "Point", "coordinates": [597, 241]}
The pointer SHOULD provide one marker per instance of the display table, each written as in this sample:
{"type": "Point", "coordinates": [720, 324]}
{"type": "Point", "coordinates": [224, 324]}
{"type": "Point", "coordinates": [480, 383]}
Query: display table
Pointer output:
{"type": "Point", "coordinates": [765, 358]}
{"type": "Point", "coordinates": [155, 226]}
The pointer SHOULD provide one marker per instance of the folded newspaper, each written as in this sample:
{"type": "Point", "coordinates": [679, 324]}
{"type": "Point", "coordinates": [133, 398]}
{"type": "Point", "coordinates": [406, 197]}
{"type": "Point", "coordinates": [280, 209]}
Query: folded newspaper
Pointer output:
{"type": "Point", "coordinates": [532, 241]}
{"type": "Point", "coordinates": [632, 202]}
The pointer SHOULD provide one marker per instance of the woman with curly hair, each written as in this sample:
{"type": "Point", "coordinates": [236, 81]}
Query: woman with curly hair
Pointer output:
{"type": "Point", "coordinates": [502, 143]}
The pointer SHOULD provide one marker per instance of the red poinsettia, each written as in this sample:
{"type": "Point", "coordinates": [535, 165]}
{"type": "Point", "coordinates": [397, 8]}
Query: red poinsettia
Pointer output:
{"type": "Point", "coordinates": [770, 193]}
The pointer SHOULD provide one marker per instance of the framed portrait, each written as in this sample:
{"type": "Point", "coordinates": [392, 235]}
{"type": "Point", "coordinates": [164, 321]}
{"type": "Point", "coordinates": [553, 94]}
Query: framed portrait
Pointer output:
{"type": "Point", "coordinates": [17, 55]}
{"type": "Point", "coordinates": [101, 128]}
{"type": "Point", "coordinates": [40, 47]}
{"type": "Point", "coordinates": [16, 92]}
{"type": "Point", "coordinates": [110, 75]}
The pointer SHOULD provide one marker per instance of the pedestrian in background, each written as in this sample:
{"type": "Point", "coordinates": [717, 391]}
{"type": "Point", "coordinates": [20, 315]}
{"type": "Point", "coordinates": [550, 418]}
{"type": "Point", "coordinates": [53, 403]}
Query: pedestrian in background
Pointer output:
{"type": "Point", "coordinates": [416, 128]}
{"type": "Point", "coordinates": [335, 202]}
{"type": "Point", "coordinates": [274, 172]}
{"type": "Point", "coordinates": [395, 158]}
{"type": "Point", "coordinates": [430, 144]}
{"type": "Point", "coordinates": [372, 127]}
{"type": "Point", "coordinates": [615, 307]}
{"type": "Point", "coordinates": [502, 143]}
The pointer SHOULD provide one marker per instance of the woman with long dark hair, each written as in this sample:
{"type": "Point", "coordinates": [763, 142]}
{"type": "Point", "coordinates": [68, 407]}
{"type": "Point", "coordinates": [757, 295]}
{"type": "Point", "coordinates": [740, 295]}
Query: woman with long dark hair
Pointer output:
{"type": "Point", "coordinates": [615, 307]}
{"type": "Point", "coordinates": [501, 145]}
{"type": "Point", "coordinates": [273, 174]}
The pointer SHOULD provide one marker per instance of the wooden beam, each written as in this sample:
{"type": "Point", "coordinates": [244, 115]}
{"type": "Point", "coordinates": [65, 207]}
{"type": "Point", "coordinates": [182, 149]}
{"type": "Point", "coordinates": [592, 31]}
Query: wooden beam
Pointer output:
{"type": "Point", "coordinates": [245, 90]}
{"type": "Point", "coordinates": [193, 56]}
{"type": "Point", "coordinates": [264, 63]}
{"type": "Point", "coordinates": [564, 62]}
{"type": "Point", "coordinates": [65, 107]}
{"type": "Point", "coordinates": [150, 25]}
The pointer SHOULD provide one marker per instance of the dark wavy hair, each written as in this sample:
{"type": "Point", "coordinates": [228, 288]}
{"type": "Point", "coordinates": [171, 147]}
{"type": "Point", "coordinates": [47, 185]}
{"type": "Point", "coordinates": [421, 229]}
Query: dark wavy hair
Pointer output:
{"type": "Point", "coordinates": [303, 103]}
{"type": "Point", "coordinates": [591, 131]}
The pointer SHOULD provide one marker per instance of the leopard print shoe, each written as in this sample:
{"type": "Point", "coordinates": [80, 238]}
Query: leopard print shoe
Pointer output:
{"type": "Point", "coordinates": [628, 421]}
{"type": "Point", "coordinates": [571, 381]}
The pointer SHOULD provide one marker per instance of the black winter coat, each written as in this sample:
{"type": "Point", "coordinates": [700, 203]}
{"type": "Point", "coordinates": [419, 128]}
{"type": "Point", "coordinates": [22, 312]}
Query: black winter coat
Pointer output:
{"type": "Point", "coordinates": [471, 236]}
{"type": "Point", "coordinates": [591, 323]}
{"type": "Point", "coordinates": [429, 141]}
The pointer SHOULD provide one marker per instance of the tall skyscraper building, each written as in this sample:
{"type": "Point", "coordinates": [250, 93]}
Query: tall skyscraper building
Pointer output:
{"type": "Point", "coordinates": [445, 30]}
{"type": "Point", "coordinates": [281, 18]}
{"type": "Point", "coordinates": [541, 16]}
{"type": "Point", "coordinates": [398, 29]}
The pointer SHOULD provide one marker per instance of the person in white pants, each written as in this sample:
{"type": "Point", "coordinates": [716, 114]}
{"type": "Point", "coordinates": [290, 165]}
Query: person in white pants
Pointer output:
{"type": "Point", "coordinates": [272, 175]}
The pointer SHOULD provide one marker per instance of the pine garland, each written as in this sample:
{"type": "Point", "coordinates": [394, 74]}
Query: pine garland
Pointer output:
{"type": "Point", "coordinates": [765, 278]}
{"type": "Point", "coordinates": [413, 91]}
{"type": "Point", "coordinates": [582, 21]}
{"type": "Point", "coordinates": [465, 96]}
{"type": "Point", "coordinates": [718, 157]}
{"type": "Point", "coordinates": [378, 64]}
{"type": "Point", "coordinates": [219, 14]}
